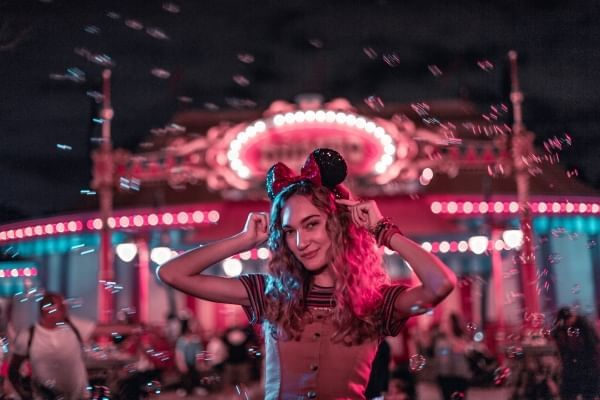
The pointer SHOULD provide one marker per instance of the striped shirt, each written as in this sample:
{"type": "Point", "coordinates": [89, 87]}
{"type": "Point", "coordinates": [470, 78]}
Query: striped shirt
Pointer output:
{"type": "Point", "coordinates": [321, 297]}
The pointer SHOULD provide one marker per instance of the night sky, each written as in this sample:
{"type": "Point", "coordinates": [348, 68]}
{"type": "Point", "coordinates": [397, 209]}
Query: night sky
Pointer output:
{"type": "Point", "coordinates": [184, 55]}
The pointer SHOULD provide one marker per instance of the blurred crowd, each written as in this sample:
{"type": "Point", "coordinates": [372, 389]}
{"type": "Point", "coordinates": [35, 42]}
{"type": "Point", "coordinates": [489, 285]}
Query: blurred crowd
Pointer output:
{"type": "Point", "coordinates": [554, 360]}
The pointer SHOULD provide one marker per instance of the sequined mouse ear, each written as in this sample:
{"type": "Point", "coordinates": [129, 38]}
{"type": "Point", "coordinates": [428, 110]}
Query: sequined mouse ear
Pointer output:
{"type": "Point", "coordinates": [332, 166]}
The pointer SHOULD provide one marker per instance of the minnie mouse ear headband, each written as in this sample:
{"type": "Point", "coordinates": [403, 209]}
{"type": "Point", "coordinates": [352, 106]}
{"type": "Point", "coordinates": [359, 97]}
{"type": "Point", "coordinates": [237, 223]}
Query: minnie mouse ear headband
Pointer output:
{"type": "Point", "coordinates": [323, 167]}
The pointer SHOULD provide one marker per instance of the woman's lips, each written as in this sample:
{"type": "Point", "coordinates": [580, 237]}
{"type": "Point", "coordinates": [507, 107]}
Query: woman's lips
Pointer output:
{"type": "Point", "coordinates": [310, 254]}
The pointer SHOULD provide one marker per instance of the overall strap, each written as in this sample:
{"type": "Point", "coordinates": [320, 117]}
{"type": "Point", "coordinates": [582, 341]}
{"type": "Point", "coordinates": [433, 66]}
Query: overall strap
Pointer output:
{"type": "Point", "coordinates": [31, 332]}
{"type": "Point", "coordinates": [75, 330]}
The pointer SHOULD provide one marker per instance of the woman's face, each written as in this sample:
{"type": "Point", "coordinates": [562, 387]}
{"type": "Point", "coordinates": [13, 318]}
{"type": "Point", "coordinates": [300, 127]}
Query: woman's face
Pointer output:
{"type": "Point", "coordinates": [305, 232]}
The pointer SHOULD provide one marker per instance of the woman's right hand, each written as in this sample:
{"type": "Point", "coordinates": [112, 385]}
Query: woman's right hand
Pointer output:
{"type": "Point", "coordinates": [256, 229]}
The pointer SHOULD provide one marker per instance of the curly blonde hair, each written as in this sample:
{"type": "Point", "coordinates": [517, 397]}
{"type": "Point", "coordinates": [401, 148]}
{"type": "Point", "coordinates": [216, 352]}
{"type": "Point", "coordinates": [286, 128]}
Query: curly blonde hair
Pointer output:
{"type": "Point", "coordinates": [357, 266]}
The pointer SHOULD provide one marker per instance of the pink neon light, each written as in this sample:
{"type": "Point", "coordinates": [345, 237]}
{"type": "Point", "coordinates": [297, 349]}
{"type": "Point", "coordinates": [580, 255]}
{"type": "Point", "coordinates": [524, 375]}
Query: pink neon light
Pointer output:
{"type": "Point", "coordinates": [167, 218]}
{"type": "Point", "coordinates": [97, 223]}
{"type": "Point", "coordinates": [138, 220]}
{"type": "Point", "coordinates": [483, 207]}
{"type": "Point", "coordinates": [436, 207]}
{"type": "Point", "coordinates": [153, 219]}
{"type": "Point", "coordinates": [28, 231]}
{"type": "Point", "coordinates": [498, 207]}
{"type": "Point", "coordinates": [198, 216]}
{"type": "Point", "coordinates": [124, 221]}
{"type": "Point", "coordinates": [452, 207]}
{"type": "Point", "coordinates": [213, 216]}
{"type": "Point", "coordinates": [467, 207]}
{"type": "Point", "coordinates": [182, 217]}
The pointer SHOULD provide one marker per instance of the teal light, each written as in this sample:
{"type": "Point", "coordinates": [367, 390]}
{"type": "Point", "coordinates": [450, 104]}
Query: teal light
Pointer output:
{"type": "Point", "coordinates": [579, 224]}
{"type": "Point", "coordinates": [541, 225]}
{"type": "Point", "coordinates": [593, 225]}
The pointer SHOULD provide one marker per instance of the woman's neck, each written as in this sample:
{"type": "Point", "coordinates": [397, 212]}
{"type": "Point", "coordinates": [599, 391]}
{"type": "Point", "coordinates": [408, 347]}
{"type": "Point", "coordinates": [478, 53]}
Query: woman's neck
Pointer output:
{"type": "Point", "coordinates": [324, 277]}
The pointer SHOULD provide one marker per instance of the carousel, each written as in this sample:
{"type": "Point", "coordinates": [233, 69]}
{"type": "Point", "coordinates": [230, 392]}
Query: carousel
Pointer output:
{"type": "Point", "coordinates": [520, 232]}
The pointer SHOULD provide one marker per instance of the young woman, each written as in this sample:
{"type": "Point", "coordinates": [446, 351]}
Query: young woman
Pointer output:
{"type": "Point", "coordinates": [327, 302]}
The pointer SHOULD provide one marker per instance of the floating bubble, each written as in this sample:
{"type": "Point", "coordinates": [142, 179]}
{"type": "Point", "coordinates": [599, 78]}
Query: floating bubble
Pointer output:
{"type": "Point", "coordinates": [572, 173]}
{"type": "Point", "coordinates": [157, 33]}
{"type": "Point", "coordinates": [417, 362]}
{"type": "Point", "coordinates": [435, 70]}
{"type": "Point", "coordinates": [211, 106]}
{"type": "Point", "coordinates": [554, 258]}
{"type": "Point", "coordinates": [241, 80]}
{"type": "Point", "coordinates": [471, 327]}
{"type": "Point", "coordinates": [204, 356]}
{"type": "Point", "coordinates": [153, 386]}
{"type": "Point", "coordinates": [391, 59]}
{"type": "Point", "coordinates": [576, 288]}
{"type": "Point", "coordinates": [134, 24]}
{"type": "Point", "coordinates": [419, 309]}
{"type": "Point", "coordinates": [374, 102]}
{"type": "Point", "coordinates": [558, 232]}
{"type": "Point", "coordinates": [485, 65]}
{"type": "Point", "coordinates": [160, 73]}
{"type": "Point", "coordinates": [457, 396]}
{"type": "Point", "coordinates": [239, 103]}
{"type": "Point", "coordinates": [4, 344]}
{"type": "Point", "coordinates": [537, 319]}
{"type": "Point", "coordinates": [316, 43]}
{"type": "Point", "coordinates": [185, 99]}
{"type": "Point", "coordinates": [591, 243]}
{"type": "Point", "coordinates": [254, 352]}
{"type": "Point", "coordinates": [113, 15]}
{"type": "Point", "coordinates": [171, 7]}
{"type": "Point", "coordinates": [210, 380]}
{"type": "Point", "coordinates": [545, 332]}
{"type": "Point", "coordinates": [501, 375]}
{"type": "Point", "coordinates": [514, 352]}
{"type": "Point", "coordinates": [99, 392]}
{"type": "Point", "coordinates": [96, 95]}
{"type": "Point", "coordinates": [96, 58]}
{"type": "Point", "coordinates": [246, 58]}
{"type": "Point", "coordinates": [573, 332]}
{"type": "Point", "coordinates": [422, 109]}
{"type": "Point", "coordinates": [92, 29]}
{"type": "Point", "coordinates": [370, 52]}
{"type": "Point", "coordinates": [478, 336]}
{"type": "Point", "coordinates": [64, 147]}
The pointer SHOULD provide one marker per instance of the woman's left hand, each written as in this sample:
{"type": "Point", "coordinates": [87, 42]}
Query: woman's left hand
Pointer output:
{"type": "Point", "coordinates": [365, 214]}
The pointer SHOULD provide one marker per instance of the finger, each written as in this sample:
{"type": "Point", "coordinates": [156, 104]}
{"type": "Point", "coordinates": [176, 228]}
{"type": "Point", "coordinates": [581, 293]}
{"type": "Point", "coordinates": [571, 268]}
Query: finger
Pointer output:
{"type": "Point", "coordinates": [345, 202]}
{"type": "Point", "coordinates": [357, 218]}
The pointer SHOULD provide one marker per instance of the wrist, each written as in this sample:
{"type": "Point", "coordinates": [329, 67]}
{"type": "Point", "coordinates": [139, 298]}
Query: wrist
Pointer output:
{"type": "Point", "coordinates": [384, 230]}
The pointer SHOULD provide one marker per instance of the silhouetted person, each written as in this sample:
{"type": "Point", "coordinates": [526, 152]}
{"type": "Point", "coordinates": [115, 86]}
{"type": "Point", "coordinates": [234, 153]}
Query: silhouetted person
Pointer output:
{"type": "Point", "coordinates": [54, 349]}
{"type": "Point", "coordinates": [380, 372]}
{"type": "Point", "coordinates": [577, 343]}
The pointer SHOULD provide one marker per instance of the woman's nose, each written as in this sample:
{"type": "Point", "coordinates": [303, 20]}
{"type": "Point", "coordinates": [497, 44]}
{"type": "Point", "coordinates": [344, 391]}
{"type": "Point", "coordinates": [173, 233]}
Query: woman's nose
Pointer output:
{"type": "Point", "coordinates": [301, 240]}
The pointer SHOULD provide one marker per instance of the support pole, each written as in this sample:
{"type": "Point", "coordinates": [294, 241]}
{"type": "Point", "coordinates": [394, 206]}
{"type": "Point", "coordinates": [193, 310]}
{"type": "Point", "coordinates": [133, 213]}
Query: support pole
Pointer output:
{"type": "Point", "coordinates": [103, 182]}
{"type": "Point", "coordinates": [522, 147]}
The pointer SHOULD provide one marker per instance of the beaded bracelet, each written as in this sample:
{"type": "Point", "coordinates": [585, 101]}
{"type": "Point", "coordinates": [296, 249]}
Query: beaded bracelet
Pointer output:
{"type": "Point", "coordinates": [384, 230]}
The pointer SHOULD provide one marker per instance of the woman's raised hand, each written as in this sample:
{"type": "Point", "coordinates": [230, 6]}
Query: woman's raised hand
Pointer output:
{"type": "Point", "coordinates": [256, 229]}
{"type": "Point", "coordinates": [365, 214]}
